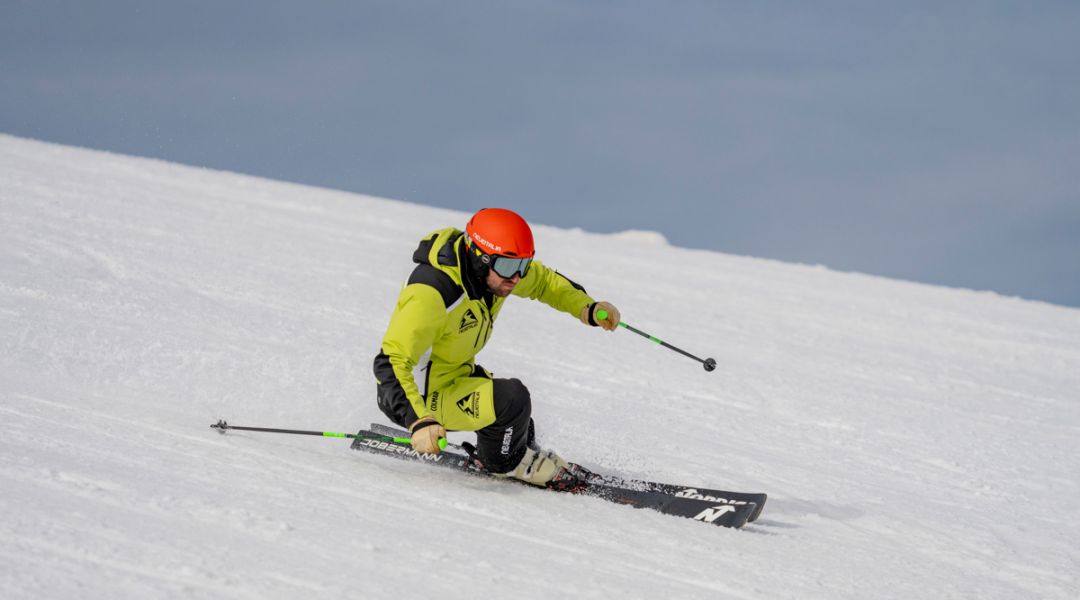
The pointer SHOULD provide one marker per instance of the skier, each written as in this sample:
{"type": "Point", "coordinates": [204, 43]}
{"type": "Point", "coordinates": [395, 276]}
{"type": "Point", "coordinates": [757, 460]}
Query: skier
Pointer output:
{"type": "Point", "coordinates": [427, 378]}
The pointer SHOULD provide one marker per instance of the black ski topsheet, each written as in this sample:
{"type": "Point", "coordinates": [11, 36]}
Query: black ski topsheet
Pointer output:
{"type": "Point", "coordinates": [683, 491]}
{"type": "Point", "coordinates": [720, 513]}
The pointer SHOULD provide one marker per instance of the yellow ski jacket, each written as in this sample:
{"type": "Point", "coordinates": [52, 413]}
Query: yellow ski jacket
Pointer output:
{"type": "Point", "coordinates": [444, 316]}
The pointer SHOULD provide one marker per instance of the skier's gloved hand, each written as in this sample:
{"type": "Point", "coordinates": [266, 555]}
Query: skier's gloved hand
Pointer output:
{"type": "Point", "coordinates": [588, 315]}
{"type": "Point", "coordinates": [426, 433]}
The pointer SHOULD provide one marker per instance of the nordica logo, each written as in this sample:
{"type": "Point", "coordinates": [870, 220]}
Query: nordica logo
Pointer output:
{"type": "Point", "coordinates": [468, 321]}
{"type": "Point", "coordinates": [710, 515]}
{"type": "Point", "coordinates": [398, 449]}
{"type": "Point", "coordinates": [696, 495]}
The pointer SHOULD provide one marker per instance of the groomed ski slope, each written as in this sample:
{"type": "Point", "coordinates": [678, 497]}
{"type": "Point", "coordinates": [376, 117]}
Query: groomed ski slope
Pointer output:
{"type": "Point", "coordinates": [915, 441]}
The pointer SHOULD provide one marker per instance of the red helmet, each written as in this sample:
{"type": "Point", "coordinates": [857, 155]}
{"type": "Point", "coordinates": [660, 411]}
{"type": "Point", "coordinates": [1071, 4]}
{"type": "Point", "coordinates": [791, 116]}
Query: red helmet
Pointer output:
{"type": "Point", "coordinates": [500, 232]}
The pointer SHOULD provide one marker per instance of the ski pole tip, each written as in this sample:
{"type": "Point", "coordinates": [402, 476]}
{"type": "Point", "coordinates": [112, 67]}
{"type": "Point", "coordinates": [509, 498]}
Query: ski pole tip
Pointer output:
{"type": "Point", "coordinates": [710, 364]}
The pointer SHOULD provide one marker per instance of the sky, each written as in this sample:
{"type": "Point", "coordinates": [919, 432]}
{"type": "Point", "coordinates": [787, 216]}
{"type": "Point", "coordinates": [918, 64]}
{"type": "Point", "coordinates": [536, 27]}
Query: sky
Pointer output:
{"type": "Point", "coordinates": [927, 141]}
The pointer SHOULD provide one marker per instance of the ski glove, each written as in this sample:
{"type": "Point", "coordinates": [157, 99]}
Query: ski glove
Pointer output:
{"type": "Point", "coordinates": [588, 315]}
{"type": "Point", "coordinates": [426, 433]}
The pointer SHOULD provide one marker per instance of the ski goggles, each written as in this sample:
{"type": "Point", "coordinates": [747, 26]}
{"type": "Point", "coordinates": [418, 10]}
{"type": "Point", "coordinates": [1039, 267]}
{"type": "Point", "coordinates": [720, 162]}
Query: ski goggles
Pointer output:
{"type": "Point", "coordinates": [507, 267]}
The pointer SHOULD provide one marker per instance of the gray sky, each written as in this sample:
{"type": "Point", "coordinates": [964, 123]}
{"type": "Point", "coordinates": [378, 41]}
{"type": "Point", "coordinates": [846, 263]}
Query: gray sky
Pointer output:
{"type": "Point", "coordinates": [937, 142]}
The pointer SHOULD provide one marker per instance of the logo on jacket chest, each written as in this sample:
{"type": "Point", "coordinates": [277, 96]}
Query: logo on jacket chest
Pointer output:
{"type": "Point", "coordinates": [468, 321]}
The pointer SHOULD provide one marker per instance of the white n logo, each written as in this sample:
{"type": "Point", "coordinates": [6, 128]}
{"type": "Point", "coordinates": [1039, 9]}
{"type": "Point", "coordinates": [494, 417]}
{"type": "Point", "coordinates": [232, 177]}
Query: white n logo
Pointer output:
{"type": "Point", "coordinates": [711, 514]}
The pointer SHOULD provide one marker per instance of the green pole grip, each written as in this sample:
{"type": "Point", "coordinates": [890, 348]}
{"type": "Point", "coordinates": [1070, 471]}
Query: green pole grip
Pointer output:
{"type": "Point", "coordinates": [442, 442]}
{"type": "Point", "coordinates": [602, 314]}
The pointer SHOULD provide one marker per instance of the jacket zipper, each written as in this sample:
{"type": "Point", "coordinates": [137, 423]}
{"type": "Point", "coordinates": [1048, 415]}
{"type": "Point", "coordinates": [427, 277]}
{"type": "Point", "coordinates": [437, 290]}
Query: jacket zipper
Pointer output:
{"type": "Point", "coordinates": [486, 325]}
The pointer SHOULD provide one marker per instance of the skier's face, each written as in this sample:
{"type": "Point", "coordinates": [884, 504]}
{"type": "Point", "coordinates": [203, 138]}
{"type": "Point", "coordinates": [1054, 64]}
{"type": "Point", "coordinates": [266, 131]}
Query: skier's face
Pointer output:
{"type": "Point", "coordinates": [500, 286]}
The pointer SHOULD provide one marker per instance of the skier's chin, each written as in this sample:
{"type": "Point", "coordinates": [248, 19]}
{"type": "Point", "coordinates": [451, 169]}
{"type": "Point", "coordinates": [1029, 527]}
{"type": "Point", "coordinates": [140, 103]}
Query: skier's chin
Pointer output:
{"type": "Point", "coordinates": [503, 290]}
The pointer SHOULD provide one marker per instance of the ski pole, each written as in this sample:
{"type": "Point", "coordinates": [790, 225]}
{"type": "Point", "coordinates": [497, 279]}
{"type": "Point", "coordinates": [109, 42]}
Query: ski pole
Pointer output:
{"type": "Point", "coordinates": [221, 426]}
{"type": "Point", "coordinates": [708, 363]}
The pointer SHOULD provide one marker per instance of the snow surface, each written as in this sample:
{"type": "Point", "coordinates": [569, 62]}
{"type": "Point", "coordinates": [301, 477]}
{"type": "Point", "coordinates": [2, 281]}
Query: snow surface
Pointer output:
{"type": "Point", "coordinates": [915, 441]}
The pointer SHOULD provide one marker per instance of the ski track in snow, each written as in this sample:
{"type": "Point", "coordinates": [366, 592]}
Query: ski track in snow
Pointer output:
{"type": "Point", "coordinates": [915, 441]}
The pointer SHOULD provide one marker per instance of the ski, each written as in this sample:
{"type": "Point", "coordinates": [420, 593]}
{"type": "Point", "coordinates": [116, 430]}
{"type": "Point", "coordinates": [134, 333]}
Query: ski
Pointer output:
{"type": "Point", "coordinates": [681, 491]}
{"type": "Point", "coordinates": [717, 513]}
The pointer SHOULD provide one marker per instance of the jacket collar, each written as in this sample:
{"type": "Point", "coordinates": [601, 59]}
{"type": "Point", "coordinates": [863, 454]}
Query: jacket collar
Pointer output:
{"type": "Point", "coordinates": [475, 285]}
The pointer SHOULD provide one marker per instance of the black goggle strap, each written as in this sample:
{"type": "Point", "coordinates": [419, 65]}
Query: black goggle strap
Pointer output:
{"type": "Point", "coordinates": [504, 266]}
